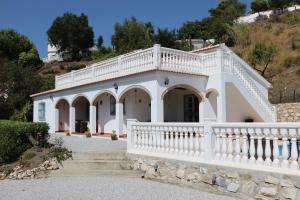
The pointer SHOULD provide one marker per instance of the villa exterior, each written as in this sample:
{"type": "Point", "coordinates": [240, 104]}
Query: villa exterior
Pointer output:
{"type": "Point", "coordinates": [156, 85]}
{"type": "Point", "coordinates": [190, 106]}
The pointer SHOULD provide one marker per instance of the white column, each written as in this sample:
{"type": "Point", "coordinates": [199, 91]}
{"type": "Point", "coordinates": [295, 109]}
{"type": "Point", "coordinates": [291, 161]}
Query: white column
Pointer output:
{"type": "Point", "coordinates": [72, 119]}
{"type": "Point", "coordinates": [119, 118]}
{"type": "Point", "coordinates": [201, 110]}
{"type": "Point", "coordinates": [221, 100]}
{"type": "Point", "coordinates": [92, 119]}
{"type": "Point", "coordinates": [56, 119]}
{"type": "Point", "coordinates": [157, 109]}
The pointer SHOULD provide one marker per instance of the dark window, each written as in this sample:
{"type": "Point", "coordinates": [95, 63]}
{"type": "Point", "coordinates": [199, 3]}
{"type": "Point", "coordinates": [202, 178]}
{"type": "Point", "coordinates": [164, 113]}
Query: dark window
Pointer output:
{"type": "Point", "coordinates": [112, 105]}
{"type": "Point", "coordinates": [124, 107]}
{"type": "Point", "coordinates": [191, 108]}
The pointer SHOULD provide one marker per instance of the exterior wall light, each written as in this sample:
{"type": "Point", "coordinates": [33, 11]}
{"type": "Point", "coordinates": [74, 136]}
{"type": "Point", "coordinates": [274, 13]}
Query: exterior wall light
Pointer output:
{"type": "Point", "coordinates": [167, 81]}
{"type": "Point", "coordinates": [116, 87]}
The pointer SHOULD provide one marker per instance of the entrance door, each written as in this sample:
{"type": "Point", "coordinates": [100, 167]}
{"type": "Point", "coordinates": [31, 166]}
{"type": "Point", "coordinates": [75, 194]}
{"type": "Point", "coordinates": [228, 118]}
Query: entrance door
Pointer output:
{"type": "Point", "coordinates": [191, 108]}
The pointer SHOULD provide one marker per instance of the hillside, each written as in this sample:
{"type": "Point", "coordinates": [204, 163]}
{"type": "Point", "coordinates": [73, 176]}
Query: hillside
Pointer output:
{"type": "Point", "coordinates": [282, 32]}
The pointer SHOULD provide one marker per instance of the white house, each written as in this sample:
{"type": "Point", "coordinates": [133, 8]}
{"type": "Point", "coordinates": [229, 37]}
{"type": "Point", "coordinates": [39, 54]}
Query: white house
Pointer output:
{"type": "Point", "coordinates": [156, 85]}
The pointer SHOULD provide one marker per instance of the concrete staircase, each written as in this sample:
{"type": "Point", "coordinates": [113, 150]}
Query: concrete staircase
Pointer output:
{"type": "Point", "coordinates": [96, 164]}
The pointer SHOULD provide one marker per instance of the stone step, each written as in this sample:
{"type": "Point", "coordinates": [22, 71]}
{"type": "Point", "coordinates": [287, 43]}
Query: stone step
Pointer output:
{"type": "Point", "coordinates": [92, 164]}
{"type": "Point", "coordinates": [82, 172]}
{"type": "Point", "coordinates": [99, 156]}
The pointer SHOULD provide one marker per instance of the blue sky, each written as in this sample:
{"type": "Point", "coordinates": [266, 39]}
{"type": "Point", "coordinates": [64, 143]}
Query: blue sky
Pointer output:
{"type": "Point", "coordinates": [33, 17]}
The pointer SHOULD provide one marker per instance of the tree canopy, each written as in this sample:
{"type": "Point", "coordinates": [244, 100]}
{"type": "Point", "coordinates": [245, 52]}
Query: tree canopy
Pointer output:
{"type": "Point", "coordinates": [260, 5]}
{"type": "Point", "coordinates": [18, 49]}
{"type": "Point", "coordinates": [132, 34]}
{"type": "Point", "coordinates": [71, 33]}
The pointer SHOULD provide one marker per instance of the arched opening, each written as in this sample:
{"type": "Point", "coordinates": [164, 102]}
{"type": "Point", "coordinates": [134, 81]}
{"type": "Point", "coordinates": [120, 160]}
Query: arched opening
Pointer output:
{"type": "Point", "coordinates": [136, 103]}
{"type": "Point", "coordinates": [105, 103]}
{"type": "Point", "coordinates": [181, 104]}
{"type": "Point", "coordinates": [62, 116]}
{"type": "Point", "coordinates": [82, 117]}
{"type": "Point", "coordinates": [211, 105]}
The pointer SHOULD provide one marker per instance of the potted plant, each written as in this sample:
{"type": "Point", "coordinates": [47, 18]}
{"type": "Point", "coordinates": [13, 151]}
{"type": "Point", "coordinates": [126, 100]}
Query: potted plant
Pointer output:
{"type": "Point", "coordinates": [88, 134]}
{"type": "Point", "coordinates": [67, 133]}
{"type": "Point", "coordinates": [114, 135]}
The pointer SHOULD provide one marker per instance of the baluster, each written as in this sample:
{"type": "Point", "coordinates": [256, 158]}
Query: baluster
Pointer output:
{"type": "Point", "coordinates": [224, 145]}
{"type": "Point", "coordinates": [162, 139]}
{"type": "Point", "coordinates": [237, 147]}
{"type": "Point", "coordinates": [139, 141]}
{"type": "Point", "coordinates": [135, 137]}
{"type": "Point", "coordinates": [185, 140]}
{"type": "Point", "coordinates": [167, 141]}
{"type": "Point", "coordinates": [150, 138]}
{"type": "Point", "coordinates": [176, 145]}
{"type": "Point", "coordinates": [154, 137]}
{"type": "Point", "coordinates": [285, 153]}
{"type": "Point", "coordinates": [171, 140]}
{"type": "Point", "coordinates": [252, 146]}
{"type": "Point", "coordinates": [218, 144]}
{"type": "Point", "coordinates": [259, 153]}
{"type": "Point", "coordinates": [275, 147]}
{"type": "Point", "coordinates": [294, 151]}
{"type": "Point", "coordinates": [191, 142]}
{"type": "Point", "coordinates": [142, 137]}
{"type": "Point", "coordinates": [197, 141]}
{"type": "Point", "coordinates": [245, 147]}
{"type": "Point", "coordinates": [146, 137]}
{"type": "Point", "coordinates": [158, 138]}
{"type": "Point", "coordinates": [181, 141]}
{"type": "Point", "coordinates": [229, 143]}
{"type": "Point", "coordinates": [268, 161]}
{"type": "Point", "coordinates": [202, 142]}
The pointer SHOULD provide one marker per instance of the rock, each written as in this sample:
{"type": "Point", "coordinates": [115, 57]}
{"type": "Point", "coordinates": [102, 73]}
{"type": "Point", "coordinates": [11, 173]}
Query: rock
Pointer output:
{"type": "Point", "coordinates": [208, 179]}
{"type": "Point", "coordinates": [151, 173]}
{"type": "Point", "coordinates": [220, 181]}
{"type": "Point", "coordinates": [261, 197]}
{"type": "Point", "coordinates": [286, 183]}
{"type": "Point", "coordinates": [194, 177]}
{"type": "Point", "coordinates": [271, 180]}
{"type": "Point", "coordinates": [136, 166]}
{"type": "Point", "coordinates": [289, 193]}
{"type": "Point", "coordinates": [249, 188]}
{"type": "Point", "coordinates": [233, 175]}
{"type": "Point", "coordinates": [269, 191]}
{"type": "Point", "coordinates": [297, 184]}
{"type": "Point", "coordinates": [233, 187]}
{"type": "Point", "coordinates": [144, 167]}
{"type": "Point", "coordinates": [180, 173]}
{"type": "Point", "coordinates": [203, 170]}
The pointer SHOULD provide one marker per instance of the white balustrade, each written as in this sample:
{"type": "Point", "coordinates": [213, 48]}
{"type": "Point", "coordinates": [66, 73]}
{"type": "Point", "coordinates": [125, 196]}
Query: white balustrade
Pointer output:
{"type": "Point", "coordinates": [261, 146]}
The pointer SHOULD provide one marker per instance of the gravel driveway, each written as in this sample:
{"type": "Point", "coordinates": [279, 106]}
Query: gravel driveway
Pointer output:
{"type": "Point", "coordinates": [92, 188]}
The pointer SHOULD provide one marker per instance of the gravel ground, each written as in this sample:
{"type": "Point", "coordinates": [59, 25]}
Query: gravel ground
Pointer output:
{"type": "Point", "coordinates": [83, 144]}
{"type": "Point", "coordinates": [92, 188]}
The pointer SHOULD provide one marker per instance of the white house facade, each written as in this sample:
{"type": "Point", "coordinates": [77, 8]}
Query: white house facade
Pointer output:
{"type": "Point", "coordinates": [156, 85]}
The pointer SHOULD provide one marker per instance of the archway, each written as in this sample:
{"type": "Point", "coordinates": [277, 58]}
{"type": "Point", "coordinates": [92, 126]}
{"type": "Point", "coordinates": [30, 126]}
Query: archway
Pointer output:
{"type": "Point", "coordinates": [82, 116]}
{"type": "Point", "coordinates": [181, 104]}
{"type": "Point", "coordinates": [211, 105]}
{"type": "Point", "coordinates": [62, 115]}
{"type": "Point", "coordinates": [105, 111]}
{"type": "Point", "coordinates": [136, 104]}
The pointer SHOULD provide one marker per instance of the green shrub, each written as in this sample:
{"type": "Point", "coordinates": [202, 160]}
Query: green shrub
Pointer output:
{"type": "Point", "coordinates": [28, 155]}
{"type": "Point", "coordinates": [17, 137]}
{"type": "Point", "coordinates": [88, 134]}
{"type": "Point", "coordinates": [58, 151]}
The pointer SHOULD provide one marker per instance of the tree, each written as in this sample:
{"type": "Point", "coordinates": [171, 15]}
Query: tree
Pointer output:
{"type": "Point", "coordinates": [228, 10]}
{"type": "Point", "coordinates": [131, 35]}
{"type": "Point", "coordinates": [280, 3]}
{"type": "Point", "coordinates": [100, 42]}
{"type": "Point", "coordinates": [18, 49]}
{"type": "Point", "coordinates": [165, 37]}
{"type": "Point", "coordinates": [71, 33]}
{"type": "Point", "coordinates": [259, 5]}
{"type": "Point", "coordinates": [262, 54]}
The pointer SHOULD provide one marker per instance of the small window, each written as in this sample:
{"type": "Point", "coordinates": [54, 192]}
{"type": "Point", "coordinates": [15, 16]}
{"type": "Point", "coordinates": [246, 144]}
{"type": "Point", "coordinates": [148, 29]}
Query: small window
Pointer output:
{"type": "Point", "coordinates": [112, 105]}
{"type": "Point", "coordinates": [124, 107]}
{"type": "Point", "coordinates": [41, 111]}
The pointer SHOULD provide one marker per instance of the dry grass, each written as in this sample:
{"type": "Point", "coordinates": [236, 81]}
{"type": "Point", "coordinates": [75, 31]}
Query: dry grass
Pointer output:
{"type": "Point", "coordinates": [283, 32]}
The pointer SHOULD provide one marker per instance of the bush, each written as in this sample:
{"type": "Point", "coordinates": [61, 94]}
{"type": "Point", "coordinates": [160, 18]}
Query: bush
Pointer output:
{"type": "Point", "coordinates": [58, 151]}
{"type": "Point", "coordinates": [17, 137]}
